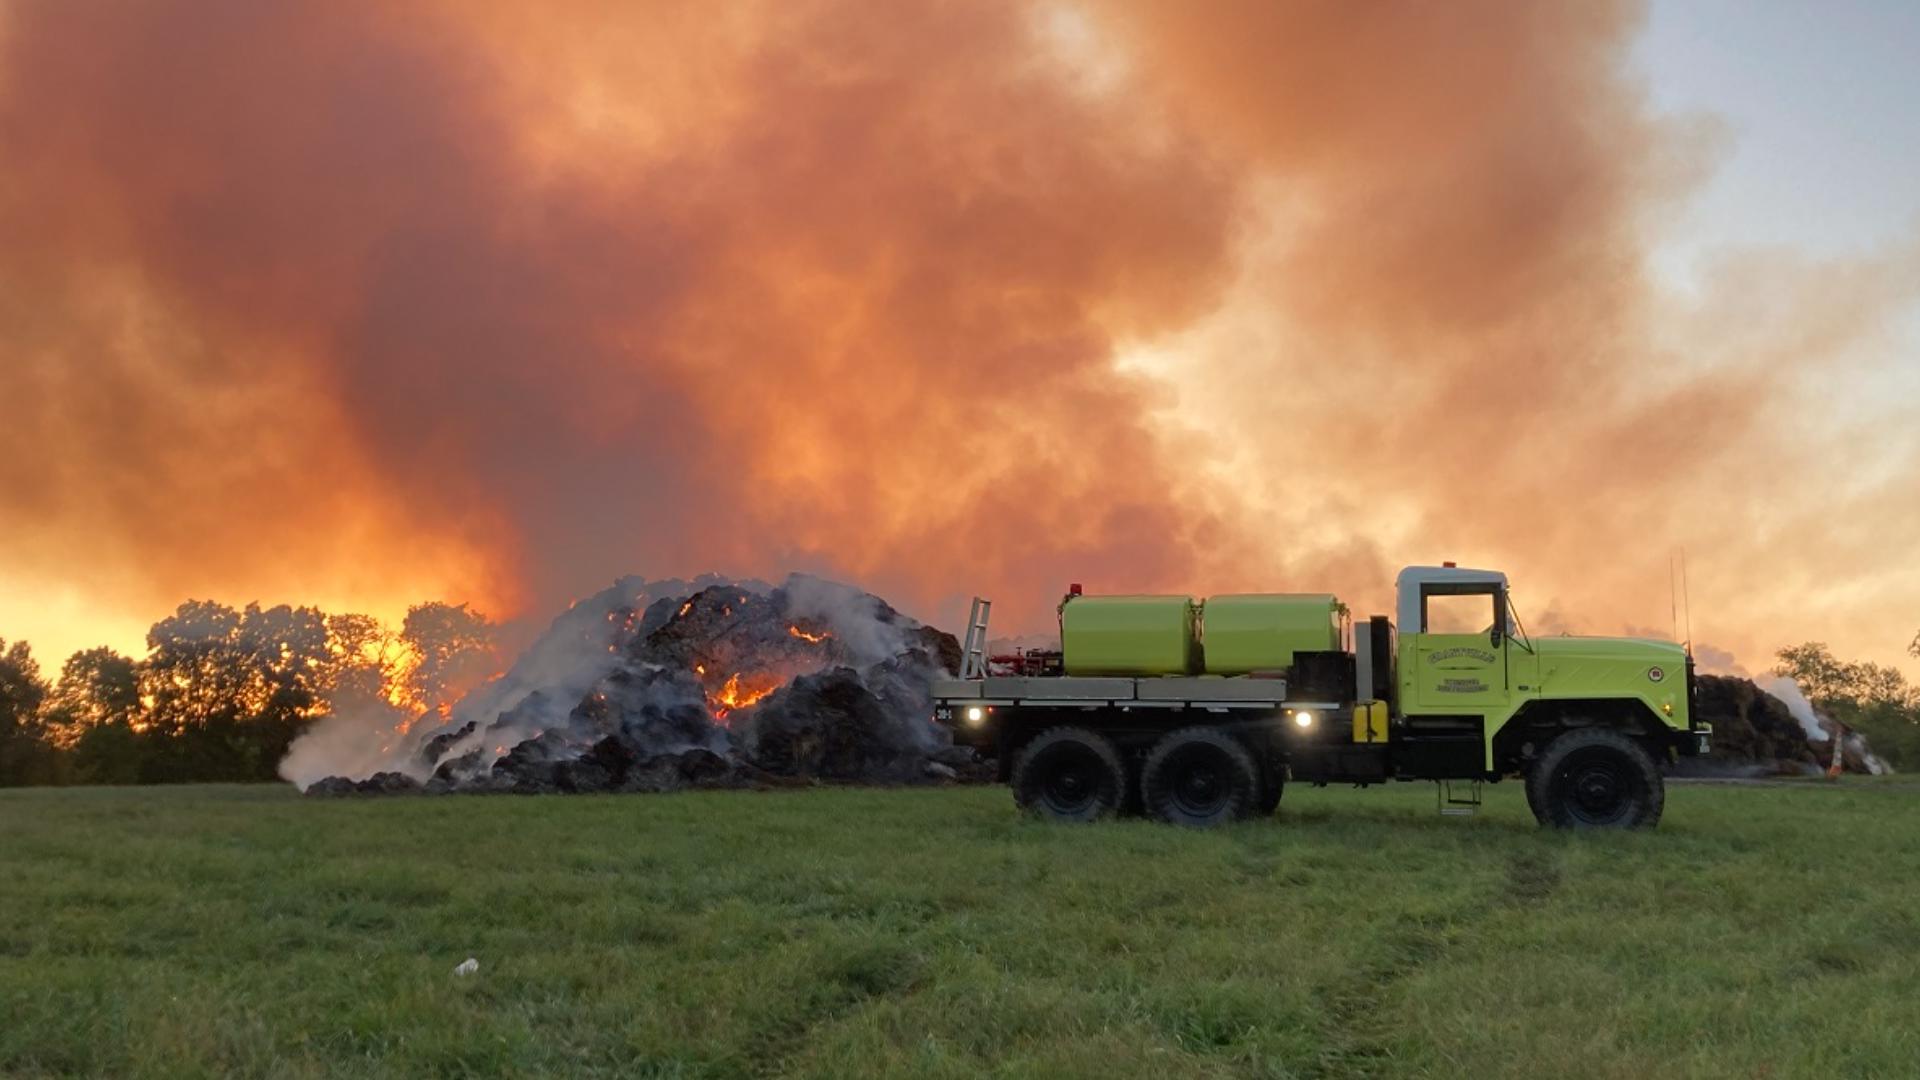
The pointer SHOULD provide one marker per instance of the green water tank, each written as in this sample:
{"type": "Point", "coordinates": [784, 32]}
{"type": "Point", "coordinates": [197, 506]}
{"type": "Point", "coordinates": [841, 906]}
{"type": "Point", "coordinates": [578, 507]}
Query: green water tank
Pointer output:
{"type": "Point", "coordinates": [1261, 631]}
{"type": "Point", "coordinates": [1130, 635]}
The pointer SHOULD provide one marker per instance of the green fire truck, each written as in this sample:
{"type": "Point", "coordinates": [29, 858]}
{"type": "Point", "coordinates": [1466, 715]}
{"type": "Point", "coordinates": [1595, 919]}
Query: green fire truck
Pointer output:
{"type": "Point", "coordinates": [1200, 712]}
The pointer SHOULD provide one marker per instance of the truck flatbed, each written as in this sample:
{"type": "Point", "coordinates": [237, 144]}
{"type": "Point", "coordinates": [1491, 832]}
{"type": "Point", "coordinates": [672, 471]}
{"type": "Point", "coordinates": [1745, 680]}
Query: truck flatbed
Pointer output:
{"type": "Point", "coordinates": [1165, 692]}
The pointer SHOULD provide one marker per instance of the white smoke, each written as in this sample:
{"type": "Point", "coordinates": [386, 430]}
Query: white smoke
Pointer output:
{"type": "Point", "coordinates": [1820, 730]}
{"type": "Point", "coordinates": [1796, 702]}
{"type": "Point", "coordinates": [852, 615]}
{"type": "Point", "coordinates": [1713, 660]}
{"type": "Point", "coordinates": [356, 740]}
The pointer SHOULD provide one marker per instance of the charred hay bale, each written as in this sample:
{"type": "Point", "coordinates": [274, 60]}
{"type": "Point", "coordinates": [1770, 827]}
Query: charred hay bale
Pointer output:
{"type": "Point", "coordinates": [436, 747]}
{"type": "Point", "coordinates": [587, 774]}
{"type": "Point", "coordinates": [1751, 725]}
{"type": "Point", "coordinates": [389, 783]}
{"type": "Point", "coordinates": [534, 766]}
{"type": "Point", "coordinates": [941, 649]}
{"type": "Point", "coordinates": [456, 769]}
{"type": "Point", "coordinates": [535, 712]}
{"type": "Point", "coordinates": [904, 686]}
{"type": "Point", "coordinates": [380, 783]}
{"type": "Point", "coordinates": [694, 768]}
{"type": "Point", "coordinates": [654, 710]}
{"type": "Point", "coordinates": [332, 787]}
{"type": "Point", "coordinates": [728, 629]}
{"type": "Point", "coordinates": [830, 725]}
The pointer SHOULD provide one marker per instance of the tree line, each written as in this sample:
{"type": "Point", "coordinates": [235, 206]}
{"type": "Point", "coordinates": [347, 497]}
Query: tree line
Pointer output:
{"type": "Point", "coordinates": [222, 692]}
{"type": "Point", "coordinates": [1875, 701]}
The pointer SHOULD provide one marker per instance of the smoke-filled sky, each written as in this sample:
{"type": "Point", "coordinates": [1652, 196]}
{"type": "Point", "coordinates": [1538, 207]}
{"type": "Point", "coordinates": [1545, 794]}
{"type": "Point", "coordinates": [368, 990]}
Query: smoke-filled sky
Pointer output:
{"type": "Point", "coordinates": [361, 304]}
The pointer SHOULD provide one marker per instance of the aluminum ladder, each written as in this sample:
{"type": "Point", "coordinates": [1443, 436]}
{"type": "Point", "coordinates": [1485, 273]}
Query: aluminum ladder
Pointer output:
{"type": "Point", "coordinates": [973, 651]}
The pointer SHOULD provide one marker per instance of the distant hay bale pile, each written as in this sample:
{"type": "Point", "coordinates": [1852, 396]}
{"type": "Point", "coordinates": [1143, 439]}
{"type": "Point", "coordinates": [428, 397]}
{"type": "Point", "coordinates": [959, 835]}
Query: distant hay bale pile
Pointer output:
{"type": "Point", "coordinates": [1757, 733]}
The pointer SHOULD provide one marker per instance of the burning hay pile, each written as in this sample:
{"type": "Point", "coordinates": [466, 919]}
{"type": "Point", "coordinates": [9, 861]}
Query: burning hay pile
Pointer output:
{"type": "Point", "coordinates": [1772, 729]}
{"type": "Point", "coordinates": [667, 685]}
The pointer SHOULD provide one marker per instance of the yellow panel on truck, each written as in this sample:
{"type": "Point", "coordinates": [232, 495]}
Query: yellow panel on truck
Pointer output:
{"type": "Point", "coordinates": [1252, 632]}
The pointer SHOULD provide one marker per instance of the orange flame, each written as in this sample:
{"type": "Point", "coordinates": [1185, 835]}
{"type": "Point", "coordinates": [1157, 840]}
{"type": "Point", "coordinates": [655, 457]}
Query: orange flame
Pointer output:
{"type": "Point", "coordinates": [733, 696]}
{"type": "Point", "coordinates": [804, 636]}
{"type": "Point", "coordinates": [686, 607]}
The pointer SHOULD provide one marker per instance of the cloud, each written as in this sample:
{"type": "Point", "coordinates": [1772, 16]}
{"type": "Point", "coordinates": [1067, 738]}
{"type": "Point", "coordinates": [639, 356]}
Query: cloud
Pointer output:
{"type": "Point", "coordinates": [495, 304]}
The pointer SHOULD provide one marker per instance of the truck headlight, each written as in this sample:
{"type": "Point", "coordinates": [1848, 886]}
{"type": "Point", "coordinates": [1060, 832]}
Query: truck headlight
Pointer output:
{"type": "Point", "coordinates": [1303, 718]}
{"type": "Point", "coordinates": [976, 714]}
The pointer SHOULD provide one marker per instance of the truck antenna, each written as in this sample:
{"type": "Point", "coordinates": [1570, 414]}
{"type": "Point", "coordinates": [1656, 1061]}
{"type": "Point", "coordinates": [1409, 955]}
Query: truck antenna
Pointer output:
{"type": "Point", "coordinates": [1673, 593]}
{"type": "Point", "coordinates": [1686, 599]}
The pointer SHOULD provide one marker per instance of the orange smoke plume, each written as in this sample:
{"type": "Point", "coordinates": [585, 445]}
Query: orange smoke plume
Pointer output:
{"type": "Point", "coordinates": [497, 302]}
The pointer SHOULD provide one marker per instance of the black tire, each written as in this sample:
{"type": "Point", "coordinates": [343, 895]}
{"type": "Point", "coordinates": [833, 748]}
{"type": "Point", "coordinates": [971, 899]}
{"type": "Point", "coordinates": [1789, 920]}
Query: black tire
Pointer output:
{"type": "Point", "coordinates": [1271, 788]}
{"type": "Point", "coordinates": [1070, 774]}
{"type": "Point", "coordinates": [1596, 778]}
{"type": "Point", "coordinates": [1199, 776]}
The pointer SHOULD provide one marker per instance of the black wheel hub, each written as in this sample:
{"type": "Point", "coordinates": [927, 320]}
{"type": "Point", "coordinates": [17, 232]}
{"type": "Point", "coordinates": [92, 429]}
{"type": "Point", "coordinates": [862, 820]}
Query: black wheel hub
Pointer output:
{"type": "Point", "coordinates": [1601, 788]}
{"type": "Point", "coordinates": [1199, 783]}
{"type": "Point", "coordinates": [1072, 785]}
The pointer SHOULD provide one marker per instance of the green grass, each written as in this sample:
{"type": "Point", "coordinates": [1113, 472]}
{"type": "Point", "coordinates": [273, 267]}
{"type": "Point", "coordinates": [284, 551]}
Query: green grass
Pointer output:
{"type": "Point", "coordinates": [212, 931]}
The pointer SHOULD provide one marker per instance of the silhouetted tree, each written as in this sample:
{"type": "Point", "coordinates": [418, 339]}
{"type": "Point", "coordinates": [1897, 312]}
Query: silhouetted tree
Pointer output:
{"type": "Point", "coordinates": [1874, 700]}
{"type": "Point", "coordinates": [455, 650]}
{"type": "Point", "coordinates": [25, 756]}
{"type": "Point", "coordinates": [227, 690]}
{"type": "Point", "coordinates": [368, 662]}
{"type": "Point", "coordinates": [94, 714]}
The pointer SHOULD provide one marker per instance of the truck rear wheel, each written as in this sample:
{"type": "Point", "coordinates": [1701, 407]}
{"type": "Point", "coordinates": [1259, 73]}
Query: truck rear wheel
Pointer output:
{"type": "Point", "coordinates": [1595, 778]}
{"type": "Point", "coordinates": [1070, 774]}
{"type": "Point", "coordinates": [1199, 776]}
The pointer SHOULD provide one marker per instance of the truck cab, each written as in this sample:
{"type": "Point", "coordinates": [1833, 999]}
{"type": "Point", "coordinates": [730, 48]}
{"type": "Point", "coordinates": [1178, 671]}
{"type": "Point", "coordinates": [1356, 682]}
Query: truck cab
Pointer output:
{"type": "Point", "coordinates": [1464, 655]}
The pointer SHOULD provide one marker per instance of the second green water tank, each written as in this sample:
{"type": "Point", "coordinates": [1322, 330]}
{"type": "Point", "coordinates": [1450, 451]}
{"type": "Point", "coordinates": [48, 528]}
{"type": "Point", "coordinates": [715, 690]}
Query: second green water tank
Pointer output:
{"type": "Point", "coordinates": [1252, 632]}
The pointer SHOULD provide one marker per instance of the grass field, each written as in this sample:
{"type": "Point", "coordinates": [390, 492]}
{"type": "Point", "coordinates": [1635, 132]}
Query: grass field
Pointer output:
{"type": "Point", "coordinates": [1767, 931]}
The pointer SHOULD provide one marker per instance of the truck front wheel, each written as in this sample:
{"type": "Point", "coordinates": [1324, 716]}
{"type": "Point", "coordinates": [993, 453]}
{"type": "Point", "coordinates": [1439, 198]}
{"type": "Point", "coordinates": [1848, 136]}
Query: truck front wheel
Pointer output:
{"type": "Point", "coordinates": [1199, 776]}
{"type": "Point", "coordinates": [1070, 774]}
{"type": "Point", "coordinates": [1595, 778]}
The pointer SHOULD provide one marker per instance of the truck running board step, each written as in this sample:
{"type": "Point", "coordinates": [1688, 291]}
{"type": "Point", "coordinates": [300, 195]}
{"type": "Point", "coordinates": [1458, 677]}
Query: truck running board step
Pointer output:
{"type": "Point", "coordinates": [1453, 804]}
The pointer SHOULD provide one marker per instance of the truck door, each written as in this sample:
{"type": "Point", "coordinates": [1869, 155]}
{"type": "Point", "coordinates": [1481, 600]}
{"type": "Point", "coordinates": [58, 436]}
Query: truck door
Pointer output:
{"type": "Point", "coordinates": [1460, 654]}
